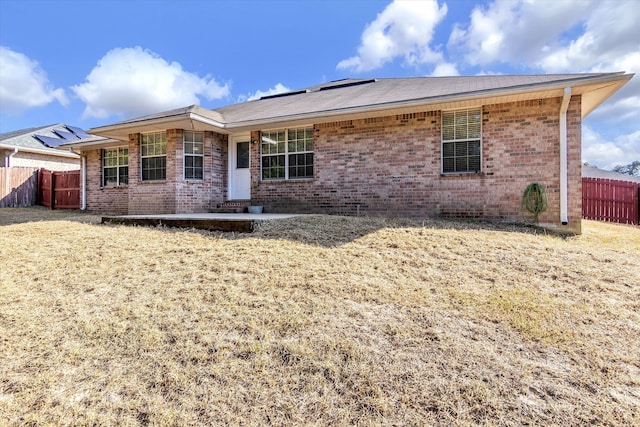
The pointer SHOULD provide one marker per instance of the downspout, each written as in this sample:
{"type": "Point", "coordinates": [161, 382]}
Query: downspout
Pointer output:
{"type": "Point", "coordinates": [15, 151]}
{"type": "Point", "coordinates": [564, 186]}
{"type": "Point", "coordinates": [83, 179]}
{"type": "Point", "coordinates": [8, 164]}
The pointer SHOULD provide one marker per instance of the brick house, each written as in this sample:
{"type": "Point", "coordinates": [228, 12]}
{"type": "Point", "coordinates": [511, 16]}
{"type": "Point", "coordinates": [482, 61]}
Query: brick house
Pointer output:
{"type": "Point", "coordinates": [432, 146]}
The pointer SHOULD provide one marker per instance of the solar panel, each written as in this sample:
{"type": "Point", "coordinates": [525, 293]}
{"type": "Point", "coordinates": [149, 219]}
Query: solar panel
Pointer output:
{"type": "Point", "coordinates": [78, 132]}
{"type": "Point", "coordinates": [348, 84]}
{"type": "Point", "coordinates": [280, 95]}
{"type": "Point", "coordinates": [68, 136]}
{"type": "Point", "coordinates": [50, 141]}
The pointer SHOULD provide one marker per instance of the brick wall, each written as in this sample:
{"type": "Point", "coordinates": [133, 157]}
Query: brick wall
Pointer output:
{"type": "Point", "coordinates": [173, 195]}
{"type": "Point", "coordinates": [151, 197]}
{"type": "Point", "coordinates": [202, 195]}
{"type": "Point", "coordinates": [114, 200]}
{"type": "Point", "coordinates": [574, 158]}
{"type": "Point", "coordinates": [391, 166]}
{"type": "Point", "coordinates": [378, 166]}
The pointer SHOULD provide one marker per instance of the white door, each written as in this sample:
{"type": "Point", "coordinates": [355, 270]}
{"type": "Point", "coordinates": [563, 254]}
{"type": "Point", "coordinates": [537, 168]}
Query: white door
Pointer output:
{"type": "Point", "coordinates": [239, 172]}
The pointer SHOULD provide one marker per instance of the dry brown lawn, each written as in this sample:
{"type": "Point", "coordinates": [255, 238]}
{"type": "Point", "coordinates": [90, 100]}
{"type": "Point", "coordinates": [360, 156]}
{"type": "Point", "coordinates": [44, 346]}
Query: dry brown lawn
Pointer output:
{"type": "Point", "coordinates": [317, 320]}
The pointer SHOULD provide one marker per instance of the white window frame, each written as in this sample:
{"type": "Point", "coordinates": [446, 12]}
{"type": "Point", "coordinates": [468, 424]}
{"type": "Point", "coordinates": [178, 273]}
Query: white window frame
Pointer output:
{"type": "Point", "coordinates": [264, 139]}
{"type": "Point", "coordinates": [155, 154]}
{"type": "Point", "coordinates": [192, 154]}
{"type": "Point", "coordinates": [459, 133]}
{"type": "Point", "coordinates": [117, 166]}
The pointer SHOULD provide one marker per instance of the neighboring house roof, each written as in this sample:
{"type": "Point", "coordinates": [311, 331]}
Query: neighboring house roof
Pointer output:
{"type": "Point", "coordinates": [42, 140]}
{"type": "Point", "coordinates": [360, 98]}
{"type": "Point", "coordinates": [594, 172]}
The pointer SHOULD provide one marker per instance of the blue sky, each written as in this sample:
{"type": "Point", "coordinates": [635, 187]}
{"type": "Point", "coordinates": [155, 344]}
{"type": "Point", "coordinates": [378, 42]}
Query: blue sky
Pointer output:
{"type": "Point", "coordinates": [90, 62]}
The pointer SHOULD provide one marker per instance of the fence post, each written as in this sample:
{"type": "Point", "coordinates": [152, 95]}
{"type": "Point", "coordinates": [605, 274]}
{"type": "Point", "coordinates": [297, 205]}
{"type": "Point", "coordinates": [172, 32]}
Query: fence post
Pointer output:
{"type": "Point", "coordinates": [638, 205]}
{"type": "Point", "coordinates": [53, 190]}
{"type": "Point", "coordinates": [39, 192]}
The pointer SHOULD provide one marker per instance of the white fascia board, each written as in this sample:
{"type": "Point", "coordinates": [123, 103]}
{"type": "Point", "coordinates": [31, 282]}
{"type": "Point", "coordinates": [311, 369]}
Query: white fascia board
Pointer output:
{"type": "Point", "coordinates": [205, 120]}
{"type": "Point", "coordinates": [104, 142]}
{"type": "Point", "coordinates": [129, 125]}
{"type": "Point", "coordinates": [161, 123]}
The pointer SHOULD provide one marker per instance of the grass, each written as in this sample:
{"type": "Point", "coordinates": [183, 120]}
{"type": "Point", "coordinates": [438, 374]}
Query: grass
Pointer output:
{"type": "Point", "coordinates": [317, 321]}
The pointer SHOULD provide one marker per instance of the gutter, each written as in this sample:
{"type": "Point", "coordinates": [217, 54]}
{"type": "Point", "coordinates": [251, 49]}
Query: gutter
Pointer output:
{"type": "Point", "coordinates": [51, 152]}
{"type": "Point", "coordinates": [564, 187]}
{"type": "Point", "coordinates": [83, 179]}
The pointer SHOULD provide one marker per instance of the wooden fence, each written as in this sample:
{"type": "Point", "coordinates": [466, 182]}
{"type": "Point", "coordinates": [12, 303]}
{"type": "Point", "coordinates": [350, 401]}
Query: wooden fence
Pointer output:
{"type": "Point", "coordinates": [611, 200]}
{"type": "Point", "coordinates": [59, 190]}
{"type": "Point", "coordinates": [18, 187]}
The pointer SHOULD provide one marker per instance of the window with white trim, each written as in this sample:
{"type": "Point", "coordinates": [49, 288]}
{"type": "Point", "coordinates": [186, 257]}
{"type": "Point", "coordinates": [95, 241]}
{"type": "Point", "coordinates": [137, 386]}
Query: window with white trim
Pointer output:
{"type": "Point", "coordinates": [153, 156]}
{"type": "Point", "coordinates": [115, 167]}
{"type": "Point", "coordinates": [462, 141]}
{"type": "Point", "coordinates": [193, 154]}
{"type": "Point", "coordinates": [287, 154]}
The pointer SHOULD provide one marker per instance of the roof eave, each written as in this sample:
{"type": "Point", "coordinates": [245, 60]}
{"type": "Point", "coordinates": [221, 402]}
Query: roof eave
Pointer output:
{"type": "Point", "coordinates": [399, 107]}
{"type": "Point", "coordinates": [92, 144]}
{"type": "Point", "coordinates": [185, 120]}
{"type": "Point", "coordinates": [598, 87]}
{"type": "Point", "coordinates": [606, 86]}
{"type": "Point", "coordinates": [51, 152]}
{"type": "Point", "coordinates": [594, 98]}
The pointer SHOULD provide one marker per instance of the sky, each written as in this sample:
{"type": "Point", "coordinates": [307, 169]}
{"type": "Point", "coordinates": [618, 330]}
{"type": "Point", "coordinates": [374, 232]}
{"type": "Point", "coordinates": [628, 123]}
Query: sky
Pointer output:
{"type": "Point", "coordinates": [90, 63]}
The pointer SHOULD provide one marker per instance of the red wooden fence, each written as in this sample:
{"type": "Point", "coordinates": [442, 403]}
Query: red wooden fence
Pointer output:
{"type": "Point", "coordinates": [611, 200]}
{"type": "Point", "coordinates": [60, 190]}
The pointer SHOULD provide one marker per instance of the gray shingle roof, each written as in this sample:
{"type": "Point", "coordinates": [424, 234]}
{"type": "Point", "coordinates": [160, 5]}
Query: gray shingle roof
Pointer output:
{"type": "Point", "coordinates": [357, 98]}
{"type": "Point", "coordinates": [370, 93]}
{"type": "Point", "coordinates": [26, 138]}
{"type": "Point", "coordinates": [594, 172]}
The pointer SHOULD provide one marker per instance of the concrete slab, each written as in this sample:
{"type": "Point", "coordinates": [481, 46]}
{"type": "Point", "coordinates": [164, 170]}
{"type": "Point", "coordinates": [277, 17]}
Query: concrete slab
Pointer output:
{"type": "Point", "coordinates": [240, 222]}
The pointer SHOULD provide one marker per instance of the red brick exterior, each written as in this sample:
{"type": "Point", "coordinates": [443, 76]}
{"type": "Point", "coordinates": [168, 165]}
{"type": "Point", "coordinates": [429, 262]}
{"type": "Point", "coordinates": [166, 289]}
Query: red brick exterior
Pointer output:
{"type": "Point", "coordinates": [173, 195]}
{"type": "Point", "coordinates": [104, 199]}
{"type": "Point", "coordinates": [391, 166]}
{"type": "Point", "coordinates": [379, 166]}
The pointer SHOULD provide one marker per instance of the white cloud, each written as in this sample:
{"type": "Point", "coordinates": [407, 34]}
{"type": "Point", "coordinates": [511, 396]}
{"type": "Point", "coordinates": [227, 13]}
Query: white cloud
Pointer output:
{"type": "Point", "coordinates": [610, 33]}
{"type": "Point", "coordinates": [134, 81]}
{"type": "Point", "coordinates": [566, 37]}
{"type": "Point", "coordinates": [403, 29]}
{"type": "Point", "coordinates": [515, 31]}
{"type": "Point", "coordinates": [278, 88]}
{"type": "Point", "coordinates": [552, 36]}
{"type": "Point", "coordinates": [445, 69]}
{"type": "Point", "coordinates": [601, 152]}
{"type": "Point", "coordinates": [24, 84]}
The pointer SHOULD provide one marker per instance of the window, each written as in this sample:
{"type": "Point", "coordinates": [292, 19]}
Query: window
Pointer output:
{"type": "Point", "coordinates": [287, 154]}
{"type": "Point", "coordinates": [461, 141]}
{"type": "Point", "coordinates": [193, 143]}
{"type": "Point", "coordinates": [153, 153]}
{"type": "Point", "coordinates": [115, 167]}
{"type": "Point", "coordinates": [242, 155]}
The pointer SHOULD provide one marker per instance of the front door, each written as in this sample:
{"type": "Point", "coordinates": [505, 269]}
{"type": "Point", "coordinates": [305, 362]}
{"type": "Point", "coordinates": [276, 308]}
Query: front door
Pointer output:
{"type": "Point", "coordinates": [239, 172]}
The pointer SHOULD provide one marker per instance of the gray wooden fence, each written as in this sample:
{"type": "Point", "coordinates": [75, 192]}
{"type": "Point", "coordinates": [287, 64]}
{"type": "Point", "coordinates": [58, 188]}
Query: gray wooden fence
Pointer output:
{"type": "Point", "coordinates": [18, 187]}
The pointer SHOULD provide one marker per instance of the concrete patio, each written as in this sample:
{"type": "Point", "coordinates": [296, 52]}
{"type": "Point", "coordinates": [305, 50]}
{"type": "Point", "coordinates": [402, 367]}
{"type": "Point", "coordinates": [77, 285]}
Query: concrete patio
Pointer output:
{"type": "Point", "coordinates": [240, 222]}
